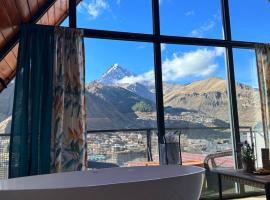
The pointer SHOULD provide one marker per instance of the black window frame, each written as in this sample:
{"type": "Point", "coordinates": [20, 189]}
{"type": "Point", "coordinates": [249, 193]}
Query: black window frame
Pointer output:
{"type": "Point", "coordinates": [157, 39]}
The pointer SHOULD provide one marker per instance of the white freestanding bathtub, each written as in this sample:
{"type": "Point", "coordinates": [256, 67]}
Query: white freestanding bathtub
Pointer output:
{"type": "Point", "coordinates": [136, 183]}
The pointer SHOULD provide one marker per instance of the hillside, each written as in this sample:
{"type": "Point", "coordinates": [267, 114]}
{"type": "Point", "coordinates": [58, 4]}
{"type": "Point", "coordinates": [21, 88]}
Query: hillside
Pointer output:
{"type": "Point", "coordinates": [199, 104]}
{"type": "Point", "coordinates": [110, 107]}
{"type": "Point", "coordinates": [210, 97]}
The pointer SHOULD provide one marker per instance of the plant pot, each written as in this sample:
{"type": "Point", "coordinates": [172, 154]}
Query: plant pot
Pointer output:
{"type": "Point", "coordinates": [248, 166]}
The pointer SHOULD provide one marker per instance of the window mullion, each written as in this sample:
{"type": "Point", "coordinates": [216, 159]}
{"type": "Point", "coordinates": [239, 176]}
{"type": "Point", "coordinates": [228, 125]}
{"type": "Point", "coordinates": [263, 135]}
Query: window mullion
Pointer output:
{"type": "Point", "coordinates": [231, 84]}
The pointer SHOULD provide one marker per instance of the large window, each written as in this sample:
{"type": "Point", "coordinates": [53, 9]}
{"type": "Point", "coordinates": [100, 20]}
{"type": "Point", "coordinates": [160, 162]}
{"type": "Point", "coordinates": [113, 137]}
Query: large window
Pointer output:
{"type": "Point", "coordinates": [120, 85]}
{"type": "Point", "coordinates": [120, 95]}
{"type": "Point", "coordinates": [248, 99]}
{"type": "Point", "coordinates": [196, 98]}
{"type": "Point", "coordinates": [199, 99]}
{"type": "Point", "coordinates": [196, 105]}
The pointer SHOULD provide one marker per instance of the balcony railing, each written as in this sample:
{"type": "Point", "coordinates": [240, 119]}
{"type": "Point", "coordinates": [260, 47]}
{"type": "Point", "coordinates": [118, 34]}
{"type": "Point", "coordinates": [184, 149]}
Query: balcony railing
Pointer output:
{"type": "Point", "coordinates": [123, 146]}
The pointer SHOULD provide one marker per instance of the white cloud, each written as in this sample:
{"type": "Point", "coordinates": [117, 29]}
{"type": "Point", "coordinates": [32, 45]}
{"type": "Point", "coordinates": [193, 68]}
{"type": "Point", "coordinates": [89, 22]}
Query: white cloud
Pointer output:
{"type": "Point", "coordinates": [94, 8]}
{"type": "Point", "coordinates": [199, 32]}
{"type": "Point", "coordinates": [147, 77]}
{"type": "Point", "coordinates": [199, 63]}
{"type": "Point", "coordinates": [118, 2]}
{"type": "Point", "coordinates": [163, 47]}
{"type": "Point", "coordinates": [190, 13]}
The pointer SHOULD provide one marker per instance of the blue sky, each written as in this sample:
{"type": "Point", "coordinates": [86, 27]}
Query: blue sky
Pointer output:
{"type": "Point", "coordinates": [181, 64]}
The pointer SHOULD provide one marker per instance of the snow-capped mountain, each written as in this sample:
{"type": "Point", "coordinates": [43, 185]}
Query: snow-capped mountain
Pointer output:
{"type": "Point", "coordinates": [114, 74]}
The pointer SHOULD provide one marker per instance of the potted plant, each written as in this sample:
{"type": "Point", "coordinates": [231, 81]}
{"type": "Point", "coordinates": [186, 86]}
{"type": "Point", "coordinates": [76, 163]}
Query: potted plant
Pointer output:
{"type": "Point", "coordinates": [248, 158]}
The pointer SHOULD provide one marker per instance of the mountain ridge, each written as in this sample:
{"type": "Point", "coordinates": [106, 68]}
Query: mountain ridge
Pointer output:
{"type": "Point", "coordinates": [116, 106]}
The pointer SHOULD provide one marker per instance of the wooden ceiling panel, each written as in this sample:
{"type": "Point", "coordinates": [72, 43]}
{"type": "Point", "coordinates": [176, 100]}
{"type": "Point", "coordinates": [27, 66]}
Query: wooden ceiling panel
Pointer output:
{"type": "Point", "coordinates": [2, 40]}
{"type": "Point", "coordinates": [51, 15]}
{"type": "Point", "coordinates": [11, 60]}
{"type": "Point", "coordinates": [15, 50]}
{"type": "Point", "coordinates": [33, 5]}
{"type": "Point", "coordinates": [6, 24]}
{"type": "Point", "coordinates": [5, 69]}
{"type": "Point", "coordinates": [63, 5]}
{"type": "Point", "coordinates": [23, 10]}
{"type": "Point", "coordinates": [41, 3]}
{"type": "Point", "coordinates": [11, 8]}
{"type": "Point", "coordinates": [2, 72]}
{"type": "Point", "coordinates": [13, 13]}
{"type": "Point", "coordinates": [58, 11]}
{"type": "Point", "coordinates": [45, 19]}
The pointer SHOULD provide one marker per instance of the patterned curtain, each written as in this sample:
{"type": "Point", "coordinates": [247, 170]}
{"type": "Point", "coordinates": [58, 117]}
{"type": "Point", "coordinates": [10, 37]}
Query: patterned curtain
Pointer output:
{"type": "Point", "coordinates": [48, 122]}
{"type": "Point", "coordinates": [263, 65]}
{"type": "Point", "coordinates": [68, 141]}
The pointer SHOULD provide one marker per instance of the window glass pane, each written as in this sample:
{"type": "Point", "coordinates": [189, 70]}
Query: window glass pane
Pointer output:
{"type": "Point", "coordinates": [65, 23]}
{"type": "Point", "coordinates": [116, 15]}
{"type": "Point", "coordinates": [6, 106]}
{"type": "Point", "coordinates": [120, 94]}
{"type": "Point", "coordinates": [196, 106]}
{"type": "Point", "coordinates": [248, 99]}
{"type": "Point", "coordinates": [191, 18]}
{"type": "Point", "coordinates": [250, 20]}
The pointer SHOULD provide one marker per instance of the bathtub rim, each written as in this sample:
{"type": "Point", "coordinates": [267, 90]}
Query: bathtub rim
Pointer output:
{"type": "Point", "coordinates": [201, 171]}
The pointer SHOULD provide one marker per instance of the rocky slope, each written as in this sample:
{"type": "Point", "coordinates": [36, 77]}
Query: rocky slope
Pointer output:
{"type": "Point", "coordinates": [110, 107]}
{"type": "Point", "coordinates": [210, 97]}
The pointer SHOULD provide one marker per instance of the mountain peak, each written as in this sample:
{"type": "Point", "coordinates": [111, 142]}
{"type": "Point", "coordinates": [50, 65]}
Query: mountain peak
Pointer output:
{"type": "Point", "coordinates": [115, 66]}
{"type": "Point", "coordinates": [113, 74]}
